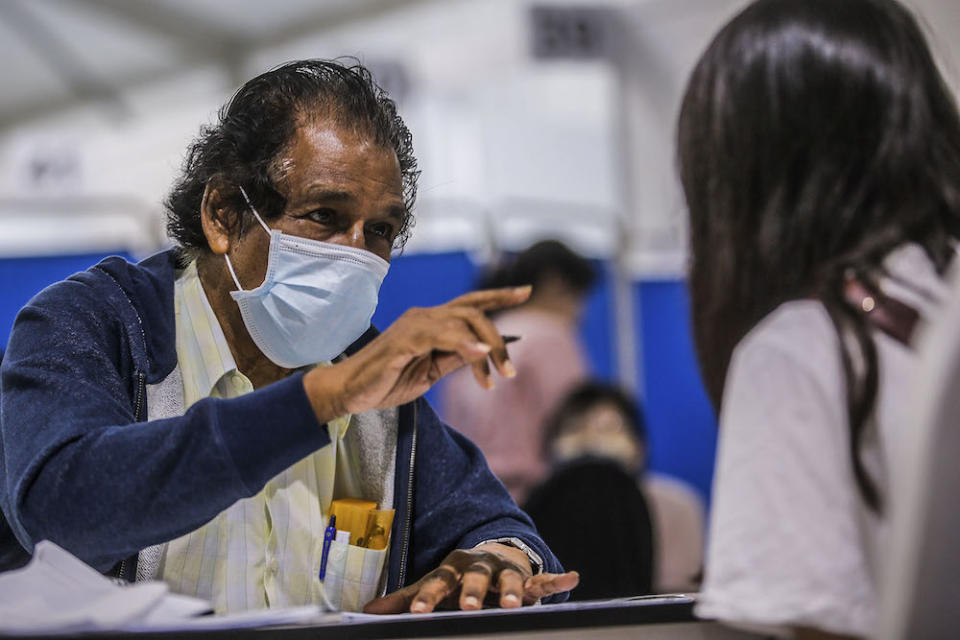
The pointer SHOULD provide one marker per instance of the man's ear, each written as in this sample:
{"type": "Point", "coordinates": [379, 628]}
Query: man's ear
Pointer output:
{"type": "Point", "coordinates": [216, 219]}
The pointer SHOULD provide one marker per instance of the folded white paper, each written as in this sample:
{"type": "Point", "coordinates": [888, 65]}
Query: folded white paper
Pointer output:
{"type": "Point", "coordinates": [58, 592]}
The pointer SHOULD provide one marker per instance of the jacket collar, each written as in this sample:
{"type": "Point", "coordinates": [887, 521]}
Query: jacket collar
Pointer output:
{"type": "Point", "coordinates": [148, 287]}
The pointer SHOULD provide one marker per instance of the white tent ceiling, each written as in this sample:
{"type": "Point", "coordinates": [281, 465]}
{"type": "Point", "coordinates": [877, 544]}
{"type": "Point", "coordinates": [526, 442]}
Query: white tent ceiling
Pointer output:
{"type": "Point", "coordinates": [58, 53]}
{"type": "Point", "coordinates": [108, 93]}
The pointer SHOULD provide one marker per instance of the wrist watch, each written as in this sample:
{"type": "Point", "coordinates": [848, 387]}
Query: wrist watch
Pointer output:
{"type": "Point", "coordinates": [535, 560]}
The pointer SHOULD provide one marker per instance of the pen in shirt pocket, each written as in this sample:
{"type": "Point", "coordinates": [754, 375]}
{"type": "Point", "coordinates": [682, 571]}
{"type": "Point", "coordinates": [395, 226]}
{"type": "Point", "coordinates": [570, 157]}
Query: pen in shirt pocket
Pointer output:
{"type": "Point", "coordinates": [328, 536]}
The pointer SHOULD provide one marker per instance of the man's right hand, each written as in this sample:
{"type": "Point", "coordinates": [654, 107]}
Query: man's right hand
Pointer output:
{"type": "Point", "coordinates": [422, 346]}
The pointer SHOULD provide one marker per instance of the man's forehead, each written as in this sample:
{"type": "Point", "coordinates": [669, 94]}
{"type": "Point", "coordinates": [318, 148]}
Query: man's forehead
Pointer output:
{"type": "Point", "coordinates": [328, 136]}
{"type": "Point", "coordinates": [323, 126]}
{"type": "Point", "coordinates": [322, 154]}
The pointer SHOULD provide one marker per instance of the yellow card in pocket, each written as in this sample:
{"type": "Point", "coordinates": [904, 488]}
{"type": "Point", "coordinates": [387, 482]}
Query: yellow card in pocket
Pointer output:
{"type": "Point", "coordinates": [352, 516]}
{"type": "Point", "coordinates": [377, 532]}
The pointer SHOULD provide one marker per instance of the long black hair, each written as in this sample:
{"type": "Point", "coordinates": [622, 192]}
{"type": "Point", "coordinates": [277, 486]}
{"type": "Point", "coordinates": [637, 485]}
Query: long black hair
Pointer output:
{"type": "Point", "coordinates": [815, 137]}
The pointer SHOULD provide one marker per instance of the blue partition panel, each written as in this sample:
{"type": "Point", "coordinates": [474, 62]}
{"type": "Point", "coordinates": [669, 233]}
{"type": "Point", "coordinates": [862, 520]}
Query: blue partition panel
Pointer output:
{"type": "Point", "coordinates": [597, 329]}
{"type": "Point", "coordinates": [22, 278]}
{"type": "Point", "coordinates": [680, 418]}
{"type": "Point", "coordinates": [423, 280]}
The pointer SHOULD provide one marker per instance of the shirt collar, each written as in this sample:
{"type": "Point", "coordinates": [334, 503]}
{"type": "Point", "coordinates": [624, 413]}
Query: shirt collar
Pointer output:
{"type": "Point", "coordinates": [201, 344]}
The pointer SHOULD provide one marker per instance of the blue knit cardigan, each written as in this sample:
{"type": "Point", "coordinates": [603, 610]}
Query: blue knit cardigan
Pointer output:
{"type": "Point", "coordinates": [82, 466]}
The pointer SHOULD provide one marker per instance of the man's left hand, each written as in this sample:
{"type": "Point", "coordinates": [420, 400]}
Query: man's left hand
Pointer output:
{"type": "Point", "coordinates": [493, 572]}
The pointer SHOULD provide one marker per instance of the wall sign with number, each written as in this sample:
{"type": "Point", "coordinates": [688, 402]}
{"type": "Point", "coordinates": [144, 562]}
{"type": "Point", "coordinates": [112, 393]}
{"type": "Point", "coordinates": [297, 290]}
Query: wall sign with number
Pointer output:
{"type": "Point", "coordinates": [575, 33]}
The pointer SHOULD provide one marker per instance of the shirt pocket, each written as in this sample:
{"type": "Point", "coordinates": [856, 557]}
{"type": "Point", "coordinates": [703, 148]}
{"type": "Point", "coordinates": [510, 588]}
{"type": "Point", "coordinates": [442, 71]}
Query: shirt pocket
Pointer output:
{"type": "Point", "coordinates": [352, 576]}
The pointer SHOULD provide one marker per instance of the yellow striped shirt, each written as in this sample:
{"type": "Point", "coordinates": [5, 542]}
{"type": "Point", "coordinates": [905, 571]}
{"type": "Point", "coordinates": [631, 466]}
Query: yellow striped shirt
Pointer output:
{"type": "Point", "coordinates": [262, 551]}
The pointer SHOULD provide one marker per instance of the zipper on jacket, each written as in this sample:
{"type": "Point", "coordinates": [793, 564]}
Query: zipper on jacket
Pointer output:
{"type": "Point", "coordinates": [138, 403]}
{"type": "Point", "coordinates": [406, 529]}
{"type": "Point", "coordinates": [123, 567]}
{"type": "Point", "coordinates": [137, 407]}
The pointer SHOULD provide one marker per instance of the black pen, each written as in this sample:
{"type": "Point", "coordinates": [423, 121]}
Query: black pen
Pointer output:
{"type": "Point", "coordinates": [509, 339]}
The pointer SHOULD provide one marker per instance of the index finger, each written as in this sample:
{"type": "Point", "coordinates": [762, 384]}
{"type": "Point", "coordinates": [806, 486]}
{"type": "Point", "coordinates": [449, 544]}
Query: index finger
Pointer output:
{"type": "Point", "coordinates": [547, 584]}
{"type": "Point", "coordinates": [490, 299]}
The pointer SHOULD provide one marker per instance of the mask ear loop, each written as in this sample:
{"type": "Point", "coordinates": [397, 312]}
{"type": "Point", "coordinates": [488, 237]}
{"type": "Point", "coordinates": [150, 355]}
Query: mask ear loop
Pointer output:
{"type": "Point", "coordinates": [253, 209]}
{"type": "Point", "coordinates": [263, 224]}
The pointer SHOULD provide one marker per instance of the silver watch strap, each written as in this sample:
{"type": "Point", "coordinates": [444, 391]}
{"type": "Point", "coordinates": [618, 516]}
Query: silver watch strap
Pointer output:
{"type": "Point", "coordinates": [534, 557]}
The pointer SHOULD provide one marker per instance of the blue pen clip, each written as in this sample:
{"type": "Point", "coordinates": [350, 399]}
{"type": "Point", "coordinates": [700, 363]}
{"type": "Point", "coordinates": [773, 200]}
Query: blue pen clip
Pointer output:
{"type": "Point", "coordinates": [328, 537]}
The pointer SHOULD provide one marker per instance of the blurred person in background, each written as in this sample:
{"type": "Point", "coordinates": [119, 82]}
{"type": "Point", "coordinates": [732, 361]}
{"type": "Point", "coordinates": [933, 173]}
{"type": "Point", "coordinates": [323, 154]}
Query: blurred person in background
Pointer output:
{"type": "Point", "coordinates": [191, 417]}
{"type": "Point", "coordinates": [506, 421]}
{"type": "Point", "coordinates": [819, 151]}
{"type": "Point", "coordinates": [597, 425]}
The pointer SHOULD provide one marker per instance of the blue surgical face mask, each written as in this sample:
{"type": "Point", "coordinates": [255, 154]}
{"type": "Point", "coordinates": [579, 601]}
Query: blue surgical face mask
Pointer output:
{"type": "Point", "coordinates": [316, 299]}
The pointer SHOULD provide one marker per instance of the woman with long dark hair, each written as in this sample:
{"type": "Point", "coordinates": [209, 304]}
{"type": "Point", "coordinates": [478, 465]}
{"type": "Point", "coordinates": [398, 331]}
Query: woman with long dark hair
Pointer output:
{"type": "Point", "coordinates": [819, 152]}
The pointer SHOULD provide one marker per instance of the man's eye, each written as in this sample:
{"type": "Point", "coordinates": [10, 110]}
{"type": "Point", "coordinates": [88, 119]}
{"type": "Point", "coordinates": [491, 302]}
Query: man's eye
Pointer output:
{"type": "Point", "coordinates": [383, 230]}
{"type": "Point", "coordinates": [323, 216]}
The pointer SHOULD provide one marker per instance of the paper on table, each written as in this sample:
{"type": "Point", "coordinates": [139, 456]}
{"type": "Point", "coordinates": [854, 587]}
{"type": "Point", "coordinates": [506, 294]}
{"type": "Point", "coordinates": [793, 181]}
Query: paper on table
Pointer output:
{"type": "Point", "coordinates": [246, 619]}
{"type": "Point", "coordinates": [58, 592]}
{"type": "Point", "coordinates": [674, 598]}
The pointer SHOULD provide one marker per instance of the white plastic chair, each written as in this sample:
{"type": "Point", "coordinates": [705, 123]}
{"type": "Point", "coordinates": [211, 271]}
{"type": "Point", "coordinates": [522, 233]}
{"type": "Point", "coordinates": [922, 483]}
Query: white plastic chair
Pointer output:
{"type": "Point", "coordinates": [920, 587]}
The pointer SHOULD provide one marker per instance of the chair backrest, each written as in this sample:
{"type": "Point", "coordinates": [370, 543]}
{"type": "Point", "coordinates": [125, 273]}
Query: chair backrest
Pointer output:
{"type": "Point", "coordinates": [920, 585]}
{"type": "Point", "coordinates": [596, 520]}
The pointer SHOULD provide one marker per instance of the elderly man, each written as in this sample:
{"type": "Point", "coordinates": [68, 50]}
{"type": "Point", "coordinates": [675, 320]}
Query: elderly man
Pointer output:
{"type": "Point", "coordinates": [190, 418]}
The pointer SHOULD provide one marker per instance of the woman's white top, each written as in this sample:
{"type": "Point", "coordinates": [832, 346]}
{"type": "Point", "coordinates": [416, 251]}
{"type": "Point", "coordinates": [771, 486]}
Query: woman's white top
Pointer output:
{"type": "Point", "coordinates": [791, 541]}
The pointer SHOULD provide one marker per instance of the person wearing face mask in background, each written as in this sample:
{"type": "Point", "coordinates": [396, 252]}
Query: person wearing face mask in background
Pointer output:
{"type": "Point", "coordinates": [191, 418]}
{"type": "Point", "coordinates": [597, 442]}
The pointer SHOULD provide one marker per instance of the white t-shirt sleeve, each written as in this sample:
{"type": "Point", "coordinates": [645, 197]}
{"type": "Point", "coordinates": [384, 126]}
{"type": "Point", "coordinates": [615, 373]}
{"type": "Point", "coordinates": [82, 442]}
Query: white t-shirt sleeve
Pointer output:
{"type": "Point", "coordinates": [785, 546]}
